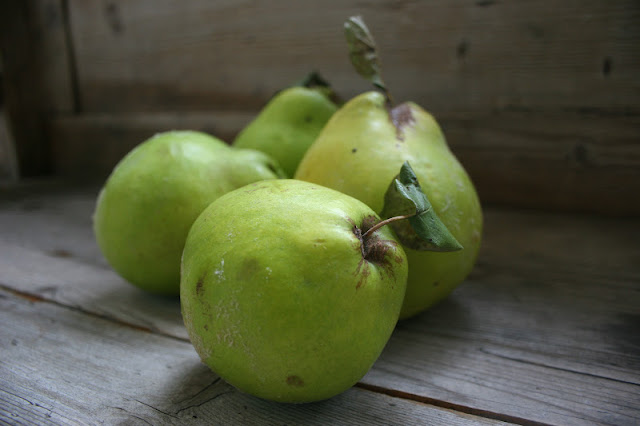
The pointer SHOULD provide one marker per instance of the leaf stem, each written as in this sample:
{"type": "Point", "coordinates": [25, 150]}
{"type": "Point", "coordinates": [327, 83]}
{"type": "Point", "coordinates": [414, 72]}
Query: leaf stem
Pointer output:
{"type": "Point", "coordinates": [385, 222]}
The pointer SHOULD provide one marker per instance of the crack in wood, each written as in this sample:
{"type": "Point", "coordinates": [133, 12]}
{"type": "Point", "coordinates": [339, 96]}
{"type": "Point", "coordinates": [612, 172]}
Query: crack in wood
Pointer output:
{"type": "Point", "coordinates": [566, 370]}
{"type": "Point", "coordinates": [201, 391]}
{"type": "Point", "coordinates": [131, 414]}
{"type": "Point", "coordinates": [156, 409]}
{"type": "Point", "coordinates": [206, 401]}
{"type": "Point", "coordinates": [449, 405]}
{"type": "Point", "coordinates": [38, 298]}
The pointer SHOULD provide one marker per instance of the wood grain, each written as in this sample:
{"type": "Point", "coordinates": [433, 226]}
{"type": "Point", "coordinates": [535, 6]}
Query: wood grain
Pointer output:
{"type": "Point", "coordinates": [60, 365]}
{"type": "Point", "coordinates": [540, 100]}
{"type": "Point", "coordinates": [569, 161]}
{"type": "Point", "coordinates": [546, 161]}
{"type": "Point", "coordinates": [552, 310]}
{"type": "Point", "coordinates": [446, 55]}
{"type": "Point", "coordinates": [544, 330]}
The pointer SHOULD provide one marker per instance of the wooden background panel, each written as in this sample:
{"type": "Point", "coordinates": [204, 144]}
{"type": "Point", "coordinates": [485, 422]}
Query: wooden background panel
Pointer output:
{"type": "Point", "coordinates": [540, 100]}
{"type": "Point", "coordinates": [446, 55]}
{"type": "Point", "coordinates": [574, 161]}
{"type": "Point", "coordinates": [542, 160]}
{"type": "Point", "coordinates": [8, 160]}
{"type": "Point", "coordinates": [37, 79]}
{"type": "Point", "coordinates": [89, 145]}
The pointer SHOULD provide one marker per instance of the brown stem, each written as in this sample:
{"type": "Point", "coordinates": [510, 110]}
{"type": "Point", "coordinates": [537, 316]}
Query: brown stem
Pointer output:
{"type": "Point", "coordinates": [384, 223]}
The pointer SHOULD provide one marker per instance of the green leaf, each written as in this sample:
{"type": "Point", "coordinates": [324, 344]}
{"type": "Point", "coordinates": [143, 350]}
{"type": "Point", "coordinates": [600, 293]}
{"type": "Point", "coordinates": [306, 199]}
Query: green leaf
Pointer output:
{"type": "Point", "coordinates": [424, 230]}
{"type": "Point", "coordinates": [363, 51]}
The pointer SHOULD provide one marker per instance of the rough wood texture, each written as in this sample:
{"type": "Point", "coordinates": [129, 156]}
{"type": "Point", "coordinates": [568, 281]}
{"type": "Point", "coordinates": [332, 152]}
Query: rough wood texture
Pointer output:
{"type": "Point", "coordinates": [78, 349]}
{"type": "Point", "coordinates": [545, 330]}
{"type": "Point", "coordinates": [64, 366]}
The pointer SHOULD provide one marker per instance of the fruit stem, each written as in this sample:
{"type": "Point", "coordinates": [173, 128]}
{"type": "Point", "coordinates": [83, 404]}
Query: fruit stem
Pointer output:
{"type": "Point", "coordinates": [385, 222]}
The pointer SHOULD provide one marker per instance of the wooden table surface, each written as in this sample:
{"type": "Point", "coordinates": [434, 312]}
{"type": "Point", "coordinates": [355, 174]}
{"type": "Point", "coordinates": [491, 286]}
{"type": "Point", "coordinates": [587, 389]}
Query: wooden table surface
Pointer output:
{"type": "Point", "coordinates": [545, 330]}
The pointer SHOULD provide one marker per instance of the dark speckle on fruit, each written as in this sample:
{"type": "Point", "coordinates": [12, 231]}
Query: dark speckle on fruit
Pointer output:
{"type": "Point", "coordinates": [200, 286]}
{"type": "Point", "coordinates": [319, 242]}
{"type": "Point", "coordinates": [295, 381]}
{"type": "Point", "coordinates": [354, 150]}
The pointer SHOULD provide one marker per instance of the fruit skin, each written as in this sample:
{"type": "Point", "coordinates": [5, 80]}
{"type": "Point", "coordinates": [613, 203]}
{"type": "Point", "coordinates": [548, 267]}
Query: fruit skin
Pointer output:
{"type": "Point", "coordinates": [276, 295]}
{"type": "Point", "coordinates": [288, 125]}
{"type": "Point", "coordinates": [360, 151]}
{"type": "Point", "coordinates": [154, 194]}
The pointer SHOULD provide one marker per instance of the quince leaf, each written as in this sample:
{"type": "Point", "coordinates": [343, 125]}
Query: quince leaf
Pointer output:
{"type": "Point", "coordinates": [363, 51]}
{"type": "Point", "coordinates": [424, 230]}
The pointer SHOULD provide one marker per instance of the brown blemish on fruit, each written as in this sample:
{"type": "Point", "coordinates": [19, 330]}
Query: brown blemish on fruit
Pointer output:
{"type": "Point", "coordinates": [373, 250]}
{"type": "Point", "coordinates": [200, 286]}
{"type": "Point", "coordinates": [368, 222]}
{"type": "Point", "coordinates": [363, 271]}
{"type": "Point", "coordinates": [295, 381]}
{"type": "Point", "coordinates": [401, 117]}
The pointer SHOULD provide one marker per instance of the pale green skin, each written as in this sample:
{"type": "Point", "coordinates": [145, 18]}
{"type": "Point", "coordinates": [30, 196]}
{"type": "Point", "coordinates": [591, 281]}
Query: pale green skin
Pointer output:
{"type": "Point", "coordinates": [364, 124]}
{"type": "Point", "coordinates": [288, 125]}
{"type": "Point", "coordinates": [276, 295]}
{"type": "Point", "coordinates": [154, 194]}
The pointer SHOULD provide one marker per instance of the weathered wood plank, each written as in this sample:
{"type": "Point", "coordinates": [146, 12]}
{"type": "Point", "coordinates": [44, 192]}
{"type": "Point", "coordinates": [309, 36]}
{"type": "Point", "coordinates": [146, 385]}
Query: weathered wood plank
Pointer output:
{"type": "Point", "coordinates": [545, 329]}
{"type": "Point", "coordinates": [555, 295]}
{"type": "Point", "coordinates": [48, 251]}
{"type": "Point", "coordinates": [37, 76]}
{"type": "Point", "coordinates": [60, 366]}
{"type": "Point", "coordinates": [447, 55]}
{"type": "Point", "coordinates": [564, 161]}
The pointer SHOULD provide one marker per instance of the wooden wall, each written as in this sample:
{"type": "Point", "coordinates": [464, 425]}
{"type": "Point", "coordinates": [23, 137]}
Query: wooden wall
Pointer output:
{"type": "Point", "coordinates": [539, 99]}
